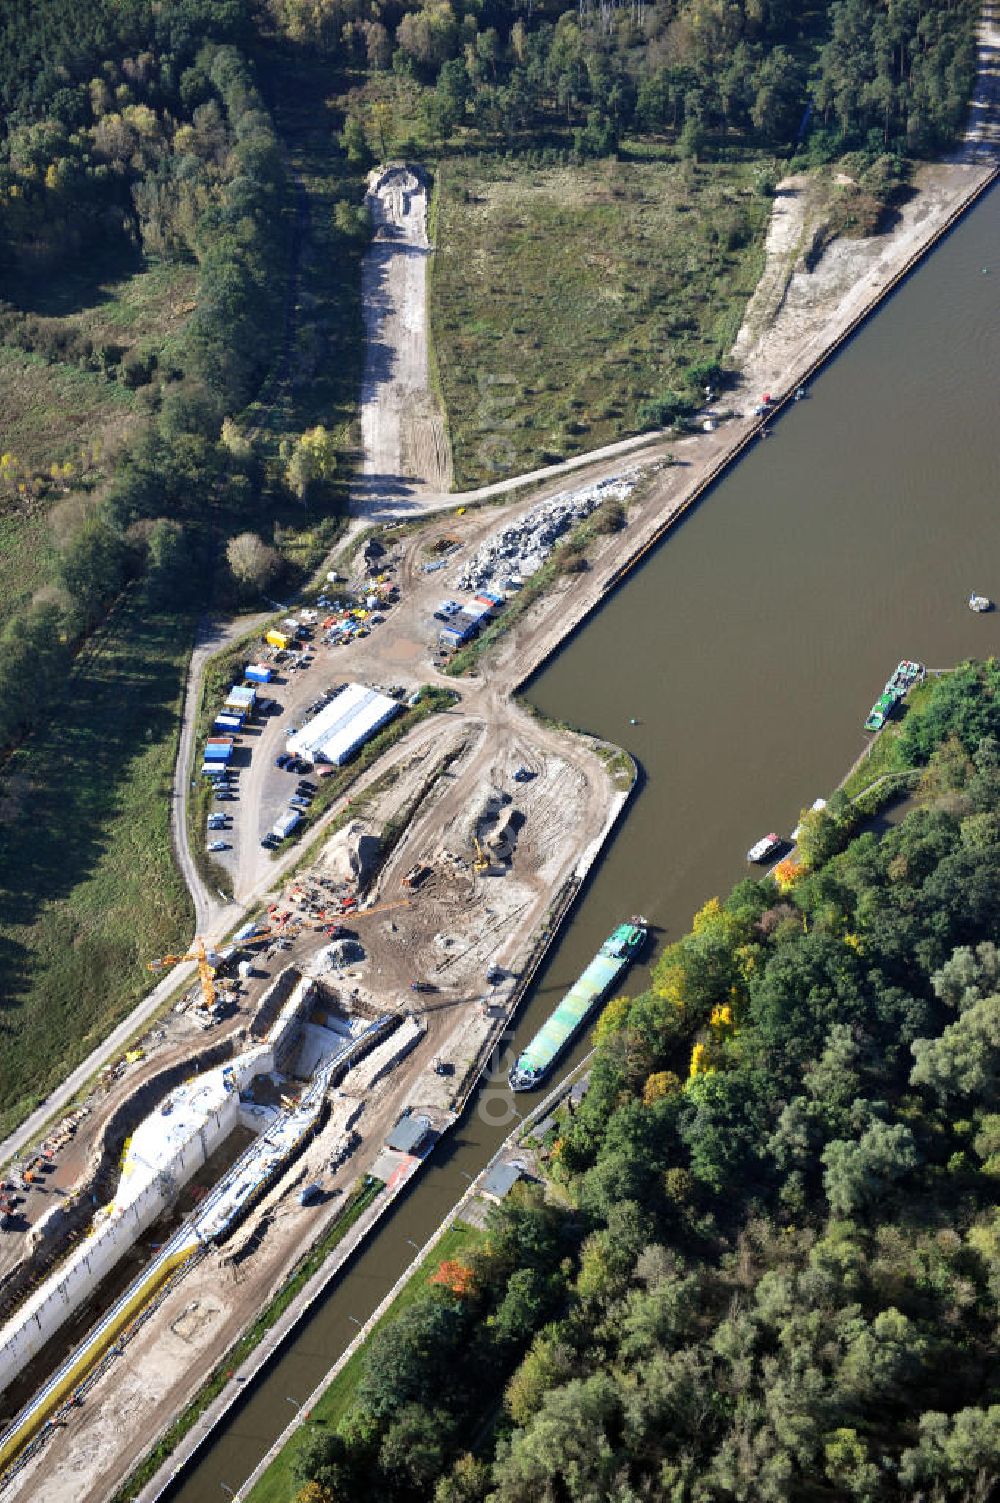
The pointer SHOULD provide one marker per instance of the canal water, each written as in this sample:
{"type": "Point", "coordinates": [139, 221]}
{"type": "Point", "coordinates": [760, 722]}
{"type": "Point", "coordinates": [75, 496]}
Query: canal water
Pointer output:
{"type": "Point", "coordinates": [749, 648]}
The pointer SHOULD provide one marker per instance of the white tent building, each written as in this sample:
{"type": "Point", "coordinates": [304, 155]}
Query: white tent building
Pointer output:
{"type": "Point", "coordinates": [343, 726]}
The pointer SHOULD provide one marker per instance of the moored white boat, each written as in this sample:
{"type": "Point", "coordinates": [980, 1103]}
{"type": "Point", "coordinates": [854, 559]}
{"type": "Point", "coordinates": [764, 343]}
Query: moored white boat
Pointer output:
{"type": "Point", "coordinates": [764, 847]}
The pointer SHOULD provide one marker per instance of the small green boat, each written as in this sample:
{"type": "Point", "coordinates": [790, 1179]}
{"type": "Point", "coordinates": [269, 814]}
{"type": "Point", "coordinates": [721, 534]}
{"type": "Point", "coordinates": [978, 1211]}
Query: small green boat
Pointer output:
{"type": "Point", "coordinates": [907, 673]}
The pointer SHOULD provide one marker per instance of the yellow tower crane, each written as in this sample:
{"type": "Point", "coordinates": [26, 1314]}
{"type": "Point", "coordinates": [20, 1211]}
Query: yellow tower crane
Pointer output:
{"type": "Point", "coordinates": [206, 971]}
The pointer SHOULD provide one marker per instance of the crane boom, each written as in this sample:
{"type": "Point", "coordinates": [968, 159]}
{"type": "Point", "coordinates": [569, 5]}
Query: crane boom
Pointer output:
{"type": "Point", "coordinates": [293, 925]}
{"type": "Point", "coordinates": [206, 971]}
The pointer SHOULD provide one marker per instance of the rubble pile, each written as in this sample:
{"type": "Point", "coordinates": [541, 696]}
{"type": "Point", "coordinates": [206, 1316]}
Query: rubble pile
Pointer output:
{"type": "Point", "coordinates": [505, 560]}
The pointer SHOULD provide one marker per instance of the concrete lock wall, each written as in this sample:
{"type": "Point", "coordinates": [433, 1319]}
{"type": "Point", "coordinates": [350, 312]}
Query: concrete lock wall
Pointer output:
{"type": "Point", "coordinates": [283, 1037]}
{"type": "Point", "coordinates": [41, 1316]}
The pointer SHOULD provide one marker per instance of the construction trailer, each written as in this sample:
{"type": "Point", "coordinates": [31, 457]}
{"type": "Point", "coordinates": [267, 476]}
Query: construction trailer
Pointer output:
{"type": "Point", "coordinates": [258, 673]}
{"type": "Point", "coordinates": [231, 725]}
{"type": "Point", "coordinates": [280, 639]}
{"type": "Point", "coordinates": [460, 629]}
{"type": "Point", "coordinates": [219, 749]}
{"type": "Point", "coordinates": [241, 699]}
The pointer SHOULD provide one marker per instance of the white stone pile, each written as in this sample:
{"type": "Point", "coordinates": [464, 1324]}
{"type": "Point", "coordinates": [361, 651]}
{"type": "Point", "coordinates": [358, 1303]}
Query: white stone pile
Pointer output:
{"type": "Point", "coordinates": [521, 549]}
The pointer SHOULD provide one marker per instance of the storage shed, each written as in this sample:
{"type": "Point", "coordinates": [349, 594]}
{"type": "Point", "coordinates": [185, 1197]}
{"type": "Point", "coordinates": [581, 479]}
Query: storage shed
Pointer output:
{"type": "Point", "coordinates": [343, 726]}
{"type": "Point", "coordinates": [410, 1133]}
{"type": "Point", "coordinates": [501, 1180]}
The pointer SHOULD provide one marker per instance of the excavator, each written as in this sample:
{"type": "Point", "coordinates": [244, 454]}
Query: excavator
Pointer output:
{"type": "Point", "coordinates": [288, 928]}
{"type": "Point", "coordinates": [482, 862]}
{"type": "Point", "coordinates": [206, 971]}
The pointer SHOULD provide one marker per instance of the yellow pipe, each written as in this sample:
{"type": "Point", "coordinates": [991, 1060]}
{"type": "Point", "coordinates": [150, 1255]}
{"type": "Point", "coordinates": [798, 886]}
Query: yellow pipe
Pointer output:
{"type": "Point", "coordinates": [89, 1355]}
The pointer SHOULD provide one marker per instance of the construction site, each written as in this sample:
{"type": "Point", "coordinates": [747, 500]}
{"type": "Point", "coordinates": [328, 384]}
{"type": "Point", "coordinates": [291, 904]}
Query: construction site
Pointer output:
{"type": "Point", "coordinates": [316, 1058]}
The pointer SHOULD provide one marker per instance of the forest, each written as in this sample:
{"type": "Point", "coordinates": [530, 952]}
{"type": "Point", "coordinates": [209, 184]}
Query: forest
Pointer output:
{"type": "Point", "coordinates": [143, 127]}
{"type": "Point", "coordinates": [765, 1263]}
{"type": "Point", "coordinates": [845, 73]}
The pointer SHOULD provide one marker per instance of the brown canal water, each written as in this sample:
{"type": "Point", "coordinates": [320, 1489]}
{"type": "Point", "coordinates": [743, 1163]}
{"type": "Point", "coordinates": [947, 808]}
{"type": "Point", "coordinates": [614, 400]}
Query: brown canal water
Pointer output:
{"type": "Point", "coordinates": [749, 648]}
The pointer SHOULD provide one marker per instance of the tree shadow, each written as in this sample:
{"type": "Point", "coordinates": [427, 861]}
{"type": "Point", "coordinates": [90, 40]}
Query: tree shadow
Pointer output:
{"type": "Point", "coordinates": [80, 284]}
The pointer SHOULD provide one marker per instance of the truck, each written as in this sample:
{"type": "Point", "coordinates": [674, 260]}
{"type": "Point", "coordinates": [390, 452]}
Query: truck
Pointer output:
{"type": "Point", "coordinates": [286, 823]}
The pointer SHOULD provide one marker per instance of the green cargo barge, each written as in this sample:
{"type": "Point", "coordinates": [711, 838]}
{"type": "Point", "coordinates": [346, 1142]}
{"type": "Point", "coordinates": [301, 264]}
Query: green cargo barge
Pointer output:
{"type": "Point", "coordinates": [558, 1031]}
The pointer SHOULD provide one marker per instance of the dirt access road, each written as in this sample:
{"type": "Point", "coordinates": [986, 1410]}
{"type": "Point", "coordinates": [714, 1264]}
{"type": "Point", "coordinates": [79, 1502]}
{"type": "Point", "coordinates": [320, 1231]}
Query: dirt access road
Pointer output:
{"type": "Point", "coordinates": [403, 434]}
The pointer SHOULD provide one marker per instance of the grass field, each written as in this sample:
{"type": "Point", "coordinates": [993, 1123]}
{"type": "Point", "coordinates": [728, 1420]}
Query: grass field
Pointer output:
{"type": "Point", "coordinates": [88, 888]}
{"type": "Point", "coordinates": [48, 413]}
{"type": "Point", "coordinates": [562, 298]}
{"type": "Point", "coordinates": [27, 557]}
{"type": "Point", "coordinates": [51, 412]}
{"type": "Point", "coordinates": [276, 1485]}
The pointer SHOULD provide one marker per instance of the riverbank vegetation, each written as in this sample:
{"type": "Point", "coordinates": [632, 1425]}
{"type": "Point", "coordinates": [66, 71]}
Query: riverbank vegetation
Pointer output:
{"type": "Point", "coordinates": [766, 1264]}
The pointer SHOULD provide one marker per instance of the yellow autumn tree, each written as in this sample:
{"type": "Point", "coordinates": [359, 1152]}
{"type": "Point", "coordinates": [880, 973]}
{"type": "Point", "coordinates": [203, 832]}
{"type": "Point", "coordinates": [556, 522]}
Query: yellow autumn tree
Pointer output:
{"type": "Point", "coordinates": [311, 458]}
{"type": "Point", "coordinates": [662, 1083]}
{"type": "Point", "coordinates": [700, 1062]}
{"type": "Point", "coordinates": [612, 1019]}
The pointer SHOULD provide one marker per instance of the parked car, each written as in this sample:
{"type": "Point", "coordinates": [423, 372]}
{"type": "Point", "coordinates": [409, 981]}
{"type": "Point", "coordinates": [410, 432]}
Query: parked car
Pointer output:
{"type": "Point", "coordinates": [218, 845]}
{"type": "Point", "coordinates": [269, 842]}
{"type": "Point", "coordinates": [283, 760]}
{"type": "Point", "coordinates": [306, 787]}
{"type": "Point", "coordinates": [223, 794]}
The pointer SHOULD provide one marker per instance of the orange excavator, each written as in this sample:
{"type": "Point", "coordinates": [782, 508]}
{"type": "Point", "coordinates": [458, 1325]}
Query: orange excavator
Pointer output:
{"type": "Point", "coordinates": [289, 927]}
{"type": "Point", "coordinates": [206, 971]}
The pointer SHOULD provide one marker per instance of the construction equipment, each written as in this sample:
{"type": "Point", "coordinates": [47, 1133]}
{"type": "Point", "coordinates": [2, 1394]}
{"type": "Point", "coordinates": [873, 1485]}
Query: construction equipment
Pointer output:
{"type": "Point", "coordinates": [206, 971]}
{"type": "Point", "coordinates": [288, 928]}
{"type": "Point", "coordinates": [482, 861]}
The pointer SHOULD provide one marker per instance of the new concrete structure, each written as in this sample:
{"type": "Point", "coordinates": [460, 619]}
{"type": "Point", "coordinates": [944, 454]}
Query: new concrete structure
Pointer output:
{"type": "Point", "coordinates": [167, 1148]}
